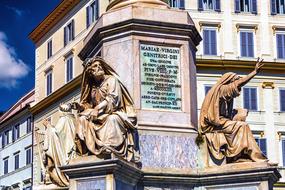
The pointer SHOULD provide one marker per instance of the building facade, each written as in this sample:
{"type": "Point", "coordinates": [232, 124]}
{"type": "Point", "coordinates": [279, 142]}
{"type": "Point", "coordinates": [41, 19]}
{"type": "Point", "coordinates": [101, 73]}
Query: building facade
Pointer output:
{"type": "Point", "coordinates": [235, 33]}
{"type": "Point", "coordinates": [16, 145]}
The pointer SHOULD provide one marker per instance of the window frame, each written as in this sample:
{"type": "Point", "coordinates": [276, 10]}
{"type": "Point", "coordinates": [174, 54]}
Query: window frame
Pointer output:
{"type": "Point", "coordinates": [211, 28]}
{"type": "Point", "coordinates": [29, 124]}
{"type": "Point", "coordinates": [239, 42]}
{"type": "Point", "coordinates": [6, 165]}
{"type": "Point", "coordinates": [92, 17]}
{"type": "Point", "coordinates": [280, 104]}
{"type": "Point", "coordinates": [257, 98]}
{"type": "Point", "coordinates": [50, 72]}
{"type": "Point", "coordinates": [258, 143]}
{"type": "Point", "coordinates": [69, 57]}
{"type": "Point", "coordinates": [69, 32]}
{"type": "Point", "coordinates": [276, 45]}
{"type": "Point", "coordinates": [178, 4]}
{"type": "Point", "coordinates": [27, 149]}
{"type": "Point", "coordinates": [16, 164]}
{"type": "Point", "coordinates": [49, 49]}
{"type": "Point", "coordinates": [15, 132]}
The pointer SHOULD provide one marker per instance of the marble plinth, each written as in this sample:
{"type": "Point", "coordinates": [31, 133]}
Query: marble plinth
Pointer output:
{"type": "Point", "coordinates": [112, 174]}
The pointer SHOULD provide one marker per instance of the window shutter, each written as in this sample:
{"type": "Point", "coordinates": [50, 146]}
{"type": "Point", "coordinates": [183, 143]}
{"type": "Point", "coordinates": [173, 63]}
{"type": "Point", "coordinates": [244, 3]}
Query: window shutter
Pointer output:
{"type": "Point", "coordinates": [200, 5]}
{"type": "Point", "coordinates": [263, 146]}
{"type": "Point", "coordinates": [282, 100]}
{"type": "Point", "coordinates": [243, 45]}
{"type": "Point", "coordinates": [3, 140]}
{"type": "Point", "coordinates": [280, 41]}
{"type": "Point", "coordinates": [250, 44]}
{"type": "Point", "coordinates": [218, 6]}
{"type": "Point", "coordinates": [253, 7]}
{"type": "Point", "coordinates": [283, 151]}
{"type": "Point", "coordinates": [72, 30]}
{"type": "Point", "coordinates": [182, 4]}
{"type": "Point", "coordinates": [273, 7]}
{"type": "Point", "coordinates": [87, 16]}
{"type": "Point", "coordinates": [97, 9]}
{"type": "Point", "coordinates": [253, 96]}
{"type": "Point", "coordinates": [213, 43]}
{"type": "Point", "coordinates": [237, 6]}
{"type": "Point", "coordinates": [65, 36]}
{"type": "Point", "coordinates": [206, 37]}
{"type": "Point", "coordinates": [246, 98]}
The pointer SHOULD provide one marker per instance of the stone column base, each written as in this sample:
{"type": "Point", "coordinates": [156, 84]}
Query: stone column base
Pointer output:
{"type": "Point", "coordinates": [113, 174]}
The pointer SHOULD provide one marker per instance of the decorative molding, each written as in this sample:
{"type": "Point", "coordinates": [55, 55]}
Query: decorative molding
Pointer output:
{"type": "Point", "coordinates": [52, 19]}
{"type": "Point", "coordinates": [48, 69]}
{"type": "Point", "coordinates": [212, 24]}
{"type": "Point", "coordinates": [240, 65]}
{"type": "Point", "coordinates": [277, 28]}
{"type": "Point", "coordinates": [70, 52]}
{"type": "Point", "coordinates": [246, 26]}
{"type": "Point", "coordinates": [268, 85]}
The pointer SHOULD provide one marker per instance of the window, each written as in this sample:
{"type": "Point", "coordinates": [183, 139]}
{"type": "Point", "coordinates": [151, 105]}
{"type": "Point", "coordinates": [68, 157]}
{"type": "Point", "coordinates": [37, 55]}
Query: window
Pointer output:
{"type": "Point", "coordinates": [280, 41]}
{"type": "Point", "coordinates": [209, 5]}
{"type": "Point", "coordinates": [277, 7]}
{"type": "Point", "coordinates": [177, 4]}
{"type": "Point", "coordinates": [261, 142]}
{"type": "Point", "coordinates": [92, 13]}
{"type": "Point", "coordinates": [282, 100]}
{"type": "Point", "coordinates": [69, 68]}
{"type": "Point", "coordinates": [28, 155]}
{"type": "Point", "coordinates": [28, 188]}
{"type": "Point", "coordinates": [29, 124]}
{"type": "Point", "coordinates": [250, 98]}
{"type": "Point", "coordinates": [246, 6]}
{"type": "Point", "coordinates": [16, 159]}
{"type": "Point", "coordinates": [207, 89]}
{"type": "Point", "coordinates": [49, 82]}
{"type": "Point", "coordinates": [49, 49]}
{"type": "Point", "coordinates": [283, 151]}
{"type": "Point", "coordinates": [246, 44]}
{"type": "Point", "coordinates": [210, 42]}
{"type": "Point", "coordinates": [16, 132]}
{"type": "Point", "coordinates": [69, 33]}
{"type": "Point", "coordinates": [5, 164]}
{"type": "Point", "coordinates": [5, 138]}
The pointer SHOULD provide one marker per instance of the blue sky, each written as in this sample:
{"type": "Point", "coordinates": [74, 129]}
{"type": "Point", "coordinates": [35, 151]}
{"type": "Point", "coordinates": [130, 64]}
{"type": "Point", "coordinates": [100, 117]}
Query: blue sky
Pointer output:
{"type": "Point", "coordinates": [17, 19]}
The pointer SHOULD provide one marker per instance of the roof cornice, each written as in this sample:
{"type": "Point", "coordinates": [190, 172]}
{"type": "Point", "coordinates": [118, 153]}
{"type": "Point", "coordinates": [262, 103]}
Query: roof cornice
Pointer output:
{"type": "Point", "coordinates": [52, 19]}
{"type": "Point", "coordinates": [240, 65]}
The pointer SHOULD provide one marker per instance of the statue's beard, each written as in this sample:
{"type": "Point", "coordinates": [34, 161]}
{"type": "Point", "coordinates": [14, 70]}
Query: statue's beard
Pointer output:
{"type": "Point", "coordinates": [99, 76]}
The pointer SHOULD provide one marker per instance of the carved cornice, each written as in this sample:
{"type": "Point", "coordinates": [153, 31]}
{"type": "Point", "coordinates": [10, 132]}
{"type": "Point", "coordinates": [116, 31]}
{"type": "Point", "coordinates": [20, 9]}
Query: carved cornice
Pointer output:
{"type": "Point", "coordinates": [269, 85]}
{"type": "Point", "coordinates": [222, 64]}
{"type": "Point", "coordinates": [52, 19]}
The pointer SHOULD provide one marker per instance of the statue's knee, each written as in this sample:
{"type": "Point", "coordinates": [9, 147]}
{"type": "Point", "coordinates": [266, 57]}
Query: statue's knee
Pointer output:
{"type": "Point", "coordinates": [112, 118]}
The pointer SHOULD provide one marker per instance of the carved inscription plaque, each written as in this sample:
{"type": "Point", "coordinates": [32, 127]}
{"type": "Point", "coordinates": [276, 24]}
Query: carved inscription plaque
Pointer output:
{"type": "Point", "coordinates": [160, 77]}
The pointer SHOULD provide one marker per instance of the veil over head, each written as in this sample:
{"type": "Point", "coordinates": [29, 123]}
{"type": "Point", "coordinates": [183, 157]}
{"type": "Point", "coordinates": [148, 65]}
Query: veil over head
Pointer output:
{"type": "Point", "coordinates": [211, 105]}
{"type": "Point", "coordinates": [86, 85]}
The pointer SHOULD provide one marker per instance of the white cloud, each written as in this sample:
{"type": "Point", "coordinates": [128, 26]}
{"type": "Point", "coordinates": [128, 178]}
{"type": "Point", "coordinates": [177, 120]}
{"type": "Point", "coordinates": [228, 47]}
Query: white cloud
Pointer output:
{"type": "Point", "coordinates": [11, 68]}
{"type": "Point", "coordinates": [16, 10]}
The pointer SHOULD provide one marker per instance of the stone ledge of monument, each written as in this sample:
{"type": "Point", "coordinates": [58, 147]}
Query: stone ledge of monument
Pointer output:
{"type": "Point", "coordinates": [119, 167]}
{"type": "Point", "coordinates": [138, 27]}
{"type": "Point", "coordinates": [113, 21]}
{"type": "Point", "coordinates": [48, 187]}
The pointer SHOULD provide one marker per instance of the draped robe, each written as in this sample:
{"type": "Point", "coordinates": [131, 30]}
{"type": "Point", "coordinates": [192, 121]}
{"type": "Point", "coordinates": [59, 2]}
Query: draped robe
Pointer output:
{"type": "Point", "coordinates": [225, 137]}
{"type": "Point", "coordinates": [112, 130]}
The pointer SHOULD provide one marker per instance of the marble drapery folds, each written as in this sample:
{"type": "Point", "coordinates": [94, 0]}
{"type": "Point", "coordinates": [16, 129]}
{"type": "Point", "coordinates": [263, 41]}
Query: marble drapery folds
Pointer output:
{"type": "Point", "coordinates": [113, 128]}
{"type": "Point", "coordinates": [225, 136]}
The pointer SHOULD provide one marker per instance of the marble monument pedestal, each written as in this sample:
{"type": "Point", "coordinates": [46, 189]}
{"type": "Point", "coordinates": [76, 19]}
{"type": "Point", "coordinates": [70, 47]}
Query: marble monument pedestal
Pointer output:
{"type": "Point", "coordinates": [112, 174]}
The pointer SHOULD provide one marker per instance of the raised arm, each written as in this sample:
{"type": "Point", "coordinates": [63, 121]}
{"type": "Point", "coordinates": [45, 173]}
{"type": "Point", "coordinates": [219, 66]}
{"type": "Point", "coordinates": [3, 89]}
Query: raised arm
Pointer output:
{"type": "Point", "coordinates": [244, 80]}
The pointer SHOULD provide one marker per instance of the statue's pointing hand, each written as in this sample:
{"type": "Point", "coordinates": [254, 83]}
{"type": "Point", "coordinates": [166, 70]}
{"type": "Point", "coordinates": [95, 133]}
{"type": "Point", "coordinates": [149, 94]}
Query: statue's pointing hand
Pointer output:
{"type": "Point", "coordinates": [259, 64]}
